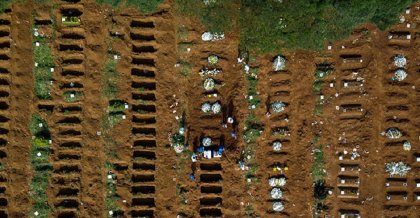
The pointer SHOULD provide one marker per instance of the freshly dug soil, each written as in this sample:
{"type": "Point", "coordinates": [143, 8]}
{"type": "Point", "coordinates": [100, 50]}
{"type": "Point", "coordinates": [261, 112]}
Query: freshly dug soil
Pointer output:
{"type": "Point", "coordinates": [358, 101]}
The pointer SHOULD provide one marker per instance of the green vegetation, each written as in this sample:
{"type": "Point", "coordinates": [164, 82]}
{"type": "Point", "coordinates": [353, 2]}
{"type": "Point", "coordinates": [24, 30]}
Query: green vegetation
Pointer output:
{"type": "Point", "coordinates": [318, 165]}
{"type": "Point", "coordinates": [110, 79]}
{"type": "Point", "coordinates": [113, 3]}
{"type": "Point", "coordinates": [216, 17]}
{"type": "Point", "coordinates": [5, 4]}
{"type": "Point", "coordinates": [182, 33]}
{"type": "Point", "coordinates": [318, 176]}
{"type": "Point", "coordinates": [321, 72]}
{"type": "Point", "coordinates": [44, 60]}
{"type": "Point", "coordinates": [184, 68]}
{"type": "Point", "coordinates": [252, 88]}
{"type": "Point", "coordinates": [268, 26]}
{"type": "Point", "coordinates": [39, 160]}
{"type": "Point", "coordinates": [71, 20]}
{"type": "Point", "coordinates": [253, 128]}
{"type": "Point", "coordinates": [72, 96]}
{"type": "Point", "coordinates": [184, 46]}
{"type": "Point", "coordinates": [111, 188]}
{"type": "Point", "coordinates": [144, 6]}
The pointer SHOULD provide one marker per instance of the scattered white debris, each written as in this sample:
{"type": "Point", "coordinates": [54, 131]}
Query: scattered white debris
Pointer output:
{"type": "Point", "coordinates": [278, 106]}
{"type": "Point", "coordinates": [209, 84]}
{"type": "Point", "coordinates": [276, 193]}
{"type": "Point", "coordinates": [208, 36]}
{"type": "Point", "coordinates": [212, 59]}
{"type": "Point", "coordinates": [402, 19]}
{"type": "Point", "coordinates": [209, 2]}
{"type": "Point", "coordinates": [393, 133]}
{"type": "Point", "coordinates": [277, 182]}
{"type": "Point", "coordinates": [206, 107]}
{"type": "Point", "coordinates": [279, 63]}
{"type": "Point", "coordinates": [329, 47]}
{"type": "Point", "coordinates": [400, 168]}
{"type": "Point", "coordinates": [400, 60]}
{"type": "Point", "coordinates": [216, 108]}
{"type": "Point", "coordinates": [206, 141]}
{"type": "Point", "coordinates": [277, 146]}
{"type": "Point", "coordinates": [278, 206]}
{"type": "Point", "coordinates": [400, 75]}
{"type": "Point", "coordinates": [407, 146]}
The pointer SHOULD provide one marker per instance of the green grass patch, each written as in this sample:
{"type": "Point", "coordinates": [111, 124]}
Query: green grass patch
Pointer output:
{"type": "Point", "coordinates": [253, 128]}
{"type": "Point", "coordinates": [44, 60]}
{"type": "Point", "coordinates": [40, 164]}
{"type": "Point", "coordinates": [318, 110]}
{"type": "Point", "coordinates": [318, 165]}
{"type": "Point", "coordinates": [43, 78]}
{"type": "Point", "coordinates": [269, 26]}
{"type": "Point", "coordinates": [116, 106]}
{"type": "Point", "coordinates": [5, 4]}
{"type": "Point", "coordinates": [182, 33]}
{"type": "Point", "coordinates": [43, 55]}
{"type": "Point", "coordinates": [184, 68]}
{"type": "Point", "coordinates": [183, 47]}
{"type": "Point", "coordinates": [252, 91]}
{"type": "Point", "coordinates": [217, 17]}
{"type": "Point", "coordinates": [72, 96]}
{"type": "Point", "coordinates": [145, 6]}
{"type": "Point", "coordinates": [111, 188]}
{"type": "Point", "coordinates": [110, 79]}
{"type": "Point", "coordinates": [113, 3]}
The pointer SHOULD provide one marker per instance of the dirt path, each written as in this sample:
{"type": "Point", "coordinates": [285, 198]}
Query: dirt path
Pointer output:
{"type": "Point", "coordinates": [93, 159]}
{"type": "Point", "coordinates": [17, 72]}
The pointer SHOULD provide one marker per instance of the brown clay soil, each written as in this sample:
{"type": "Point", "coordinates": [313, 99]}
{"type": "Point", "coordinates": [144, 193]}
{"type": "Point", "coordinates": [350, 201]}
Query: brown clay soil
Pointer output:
{"type": "Point", "coordinates": [360, 101]}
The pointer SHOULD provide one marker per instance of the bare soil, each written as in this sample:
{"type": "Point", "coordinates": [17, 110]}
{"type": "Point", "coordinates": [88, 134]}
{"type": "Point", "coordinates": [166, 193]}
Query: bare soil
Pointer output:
{"type": "Point", "coordinates": [360, 101]}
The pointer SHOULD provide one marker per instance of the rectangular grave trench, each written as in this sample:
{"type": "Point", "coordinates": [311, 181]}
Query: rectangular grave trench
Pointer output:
{"type": "Point", "coordinates": [211, 166]}
{"type": "Point", "coordinates": [210, 212]}
{"type": "Point", "coordinates": [142, 73]}
{"type": "Point", "coordinates": [144, 120]}
{"type": "Point", "coordinates": [68, 203]}
{"type": "Point", "coordinates": [67, 192]}
{"type": "Point", "coordinates": [142, 213]}
{"type": "Point", "coordinates": [145, 143]}
{"type": "Point", "coordinates": [142, 24]}
{"type": "Point", "coordinates": [142, 37]}
{"type": "Point", "coordinates": [211, 201]}
{"type": "Point", "coordinates": [143, 166]}
{"type": "Point", "coordinates": [150, 202]}
{"type": "Point", "coordinates": [211, 189]}
{"type": "Point", "coordinates": [143, 178]}
{"type": "Point", "coordinates": [210, 178]}
{"type": "Point", "coordinates": [143, 189]}
{"type": "Point", "coordinates": [144, 154]}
